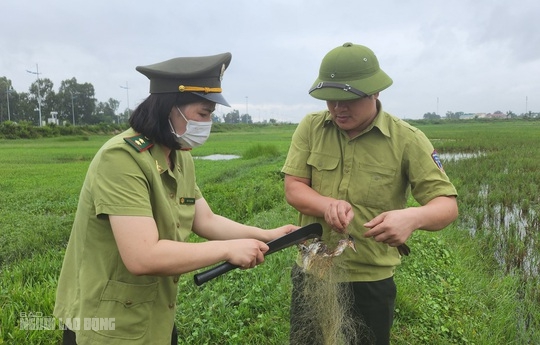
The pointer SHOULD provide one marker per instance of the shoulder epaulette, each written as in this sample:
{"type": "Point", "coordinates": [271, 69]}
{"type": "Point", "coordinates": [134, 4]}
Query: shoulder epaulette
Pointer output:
{"type": "Point", "coordinates": [139, 142]}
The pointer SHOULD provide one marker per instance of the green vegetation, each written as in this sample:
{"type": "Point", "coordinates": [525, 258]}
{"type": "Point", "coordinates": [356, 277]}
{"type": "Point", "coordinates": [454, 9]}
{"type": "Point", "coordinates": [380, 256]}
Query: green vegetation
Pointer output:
{"type": "Point", "coordinates": [474, 283]}
{"type": "Point", "coordinates": [25, 130]}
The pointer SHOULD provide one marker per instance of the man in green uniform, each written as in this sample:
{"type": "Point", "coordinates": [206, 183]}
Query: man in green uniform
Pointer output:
{"type": "Point", "coordinates": [351, 167]}
{"type": "Point", "coordinates": [138, 204]}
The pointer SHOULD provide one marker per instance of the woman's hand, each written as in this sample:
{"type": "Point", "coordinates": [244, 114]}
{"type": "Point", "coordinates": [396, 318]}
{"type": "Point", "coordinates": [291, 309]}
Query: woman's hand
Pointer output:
{"type": "Point", "coordinates": [245, 253]}
{"type": "Point", "coordinates": [272, 234]}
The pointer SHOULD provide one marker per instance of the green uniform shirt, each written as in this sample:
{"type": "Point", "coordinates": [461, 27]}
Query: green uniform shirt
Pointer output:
{"type": "Point", "coordinates": [129, 178]}
{"type": "Point", "coordinates": [374, 172]}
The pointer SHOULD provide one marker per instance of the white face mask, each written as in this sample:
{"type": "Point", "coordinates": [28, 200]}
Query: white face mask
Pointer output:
{"type": "Point", "coordinates": [196, 132]}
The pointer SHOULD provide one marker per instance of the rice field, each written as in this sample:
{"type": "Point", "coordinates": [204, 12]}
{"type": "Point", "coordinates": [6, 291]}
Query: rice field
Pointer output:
{"type": "Point", "coordinates": [477, 282]}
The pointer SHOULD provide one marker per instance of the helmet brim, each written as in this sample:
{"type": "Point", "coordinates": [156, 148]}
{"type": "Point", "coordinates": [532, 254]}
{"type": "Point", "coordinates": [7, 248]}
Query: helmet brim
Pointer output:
{"type": "Point", "coordinates": [370, 85]}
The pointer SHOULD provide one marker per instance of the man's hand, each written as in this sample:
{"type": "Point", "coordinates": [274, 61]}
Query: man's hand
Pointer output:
{"type": "Point", "coordinates": [395, 227]}
{"type": "Point", "coordinates": [338, 215]}
{"type": "Point", "coordinates": [392, 227]}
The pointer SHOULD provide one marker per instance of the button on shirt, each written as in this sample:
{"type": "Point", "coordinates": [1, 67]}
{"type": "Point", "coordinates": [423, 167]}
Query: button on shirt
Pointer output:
{"type": "Point", "coordinates": [374, 171]}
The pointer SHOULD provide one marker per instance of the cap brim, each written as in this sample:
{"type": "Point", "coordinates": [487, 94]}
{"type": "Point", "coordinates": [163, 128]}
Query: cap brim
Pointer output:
{"type": "Point", "coordinates": [213, 97]}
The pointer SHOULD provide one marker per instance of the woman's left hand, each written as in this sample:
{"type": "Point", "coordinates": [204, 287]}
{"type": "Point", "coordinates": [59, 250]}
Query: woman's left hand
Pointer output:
{"type": "Point", "coordinates": [272, 234]}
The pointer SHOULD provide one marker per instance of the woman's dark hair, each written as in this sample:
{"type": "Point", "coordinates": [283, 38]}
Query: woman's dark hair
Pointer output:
{"type": "Point", "coordinates": [151, 117]}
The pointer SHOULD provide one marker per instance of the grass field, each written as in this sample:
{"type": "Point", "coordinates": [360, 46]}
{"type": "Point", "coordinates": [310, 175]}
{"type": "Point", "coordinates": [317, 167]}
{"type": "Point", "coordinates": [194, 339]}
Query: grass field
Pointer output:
{"type": "Point", "coordinates": [474, 283]}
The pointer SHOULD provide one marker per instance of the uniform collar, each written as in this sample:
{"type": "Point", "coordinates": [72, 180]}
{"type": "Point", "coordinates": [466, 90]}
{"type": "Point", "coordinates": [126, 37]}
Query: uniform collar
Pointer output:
{"type": "Point", "coordinates": [328, 120]}
{"type": "Point", "coordinates": [381, 121]}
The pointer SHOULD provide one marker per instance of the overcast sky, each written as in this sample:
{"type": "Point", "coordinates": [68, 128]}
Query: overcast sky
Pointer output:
{"type": "Point", "coordinates": [471, 56]}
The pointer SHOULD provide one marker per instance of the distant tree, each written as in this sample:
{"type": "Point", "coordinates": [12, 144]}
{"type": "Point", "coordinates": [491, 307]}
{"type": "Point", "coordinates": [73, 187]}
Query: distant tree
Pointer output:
{"type": "Point", "coordinates": [42, 90]}
{"type": "Point", "coordinates": [113, 105]}
{"type": "Point", "coordinates": [450, 115]}
{"type": "Point", "coordinates": [77, 100]}
{"type": "Point", "coordinates": [232, 117]}
{"type": "Point", "coordinates": [528, 114]}
{"type": "Point", "coordinates": [510, 114]}
{"type": "Point", "coordinates": [106, 111]}
{"type": "Point", "coordinates": [246, 118]}
{"type": "Point", "coordinates": [215, 118]}
{"type": "Point", "coordinates": [8, 97]}
{"type": "Point", "coordinates": [431, 116]}
{"type": "Point", "coordinates": [25, 109]}
{"type": "Point", "coordinates": [67, 101]}
{"type": "Point", "coordinates": [123, 117]}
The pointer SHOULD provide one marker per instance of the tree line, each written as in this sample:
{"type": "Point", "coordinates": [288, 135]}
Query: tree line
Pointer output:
{"type": "Point", "coordinates": [497, 114]}
{"type": "Point", "coordinates": [73, 103]}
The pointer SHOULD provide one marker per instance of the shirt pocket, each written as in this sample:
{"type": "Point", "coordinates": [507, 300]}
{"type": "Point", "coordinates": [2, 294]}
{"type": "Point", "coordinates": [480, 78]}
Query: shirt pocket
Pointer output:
{"type": "Point", "coordinates": [325, 175]}
{"type": "Point", "coordinates": [374, 186]}
{"type": "Point", "coordinates": [131, 307]}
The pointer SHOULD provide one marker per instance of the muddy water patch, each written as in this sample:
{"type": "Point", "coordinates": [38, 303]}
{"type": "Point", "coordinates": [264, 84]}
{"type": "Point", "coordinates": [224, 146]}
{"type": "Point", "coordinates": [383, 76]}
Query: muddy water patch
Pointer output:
{"type": "Point", "coordinates": [517, 238]}
{"type": "Point", "coordinates": [456, 156]}
{"type": "Point", "coordinates": [513, 231]}
{"type": "Point", "coordinates": [218, 157]}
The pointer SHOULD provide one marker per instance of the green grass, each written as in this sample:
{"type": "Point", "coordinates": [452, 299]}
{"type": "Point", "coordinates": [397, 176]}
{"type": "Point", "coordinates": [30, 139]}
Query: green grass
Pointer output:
{"type": "Point", "coordinates": [468, 284]}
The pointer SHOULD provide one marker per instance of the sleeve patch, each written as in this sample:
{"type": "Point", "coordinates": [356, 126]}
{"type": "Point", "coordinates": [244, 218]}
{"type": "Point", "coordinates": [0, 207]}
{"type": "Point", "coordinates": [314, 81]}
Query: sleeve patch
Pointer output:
{"type": "Point", "coordinates": [437, 160]}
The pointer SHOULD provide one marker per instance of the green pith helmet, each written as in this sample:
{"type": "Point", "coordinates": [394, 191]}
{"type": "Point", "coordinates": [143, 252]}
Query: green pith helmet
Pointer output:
{"type": "Point", "coordinates": [348, 72]}
{"type": "Point", "coordinates": [200, 75]}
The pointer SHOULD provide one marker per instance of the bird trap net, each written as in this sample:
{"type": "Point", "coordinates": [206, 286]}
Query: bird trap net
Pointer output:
{"type": "Point", "coordinates": [321, 306]}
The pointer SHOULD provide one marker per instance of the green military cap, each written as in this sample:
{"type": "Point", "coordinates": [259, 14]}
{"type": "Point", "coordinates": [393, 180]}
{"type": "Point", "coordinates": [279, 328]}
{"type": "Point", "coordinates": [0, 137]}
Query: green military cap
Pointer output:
{"type": "Point", "coordinates": [200, 75]}
{"type": "Point", "coordinates": [348, 72]}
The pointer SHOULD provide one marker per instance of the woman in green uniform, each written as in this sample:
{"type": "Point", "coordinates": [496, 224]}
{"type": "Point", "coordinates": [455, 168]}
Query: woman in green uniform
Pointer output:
{"type": "Point", "coordinates": [138, 204]}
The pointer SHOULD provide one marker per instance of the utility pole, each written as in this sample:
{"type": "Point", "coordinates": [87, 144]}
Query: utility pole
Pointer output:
{"type": "Point", "coordinates": [246, 109]}
{"type": "Point", "coordinates": [9, 89]}
{"type": "Point", "coordinates": [38, 95]}
{"type": "Point", "coordinates": [127, 93]}
{"type": "Point", "coordinates": [72, 107]}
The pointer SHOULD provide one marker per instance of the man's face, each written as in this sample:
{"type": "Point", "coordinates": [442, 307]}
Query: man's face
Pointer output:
{"type": "Point", "coordinates": [355, 115]}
